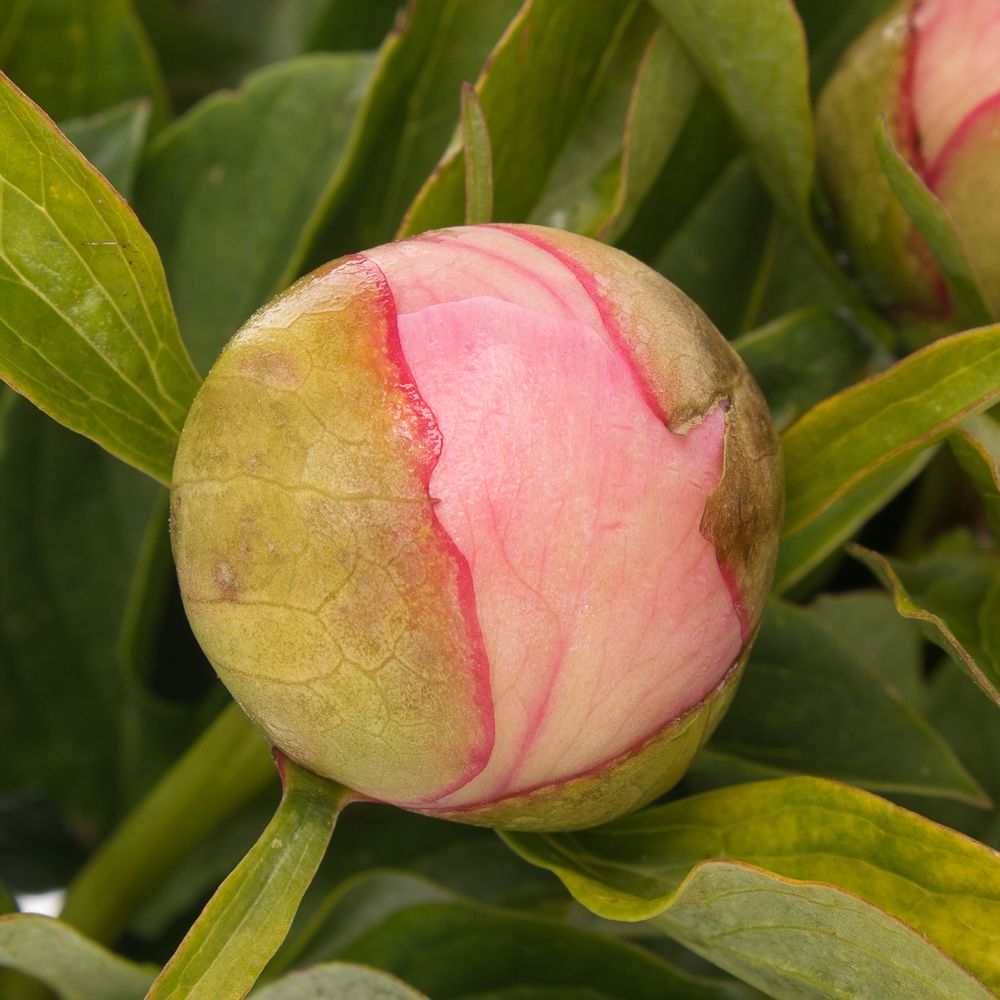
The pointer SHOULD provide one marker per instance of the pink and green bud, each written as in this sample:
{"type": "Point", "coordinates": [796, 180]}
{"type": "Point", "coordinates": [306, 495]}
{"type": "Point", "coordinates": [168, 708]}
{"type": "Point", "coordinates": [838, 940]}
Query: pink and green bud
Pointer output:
{"type": "Point", "coordinates": [932, 68]}
{"type": "Point", "coordinates": [481, 524]}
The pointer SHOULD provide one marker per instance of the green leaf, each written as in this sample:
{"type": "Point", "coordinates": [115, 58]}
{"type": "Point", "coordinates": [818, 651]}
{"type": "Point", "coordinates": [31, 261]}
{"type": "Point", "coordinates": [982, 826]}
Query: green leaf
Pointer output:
{"type": "Point", "coordinates": [802, 358]}
{"type": "Point", "coordinates": [662, 99]}
{"type": "Point", "coordinates": [87, 331]}
{"type": "Point", "coordinates": [867, 621]}
{"type": "Point", "coordinates": [411, 113]}
{"type": "Point", "coordinates": [478, 160]}
{"type": "Point", "coordinates": [809, 704]}
{"type": "Point", "coordinates": [72, 528]}
{"type": "Point", "coordinates": [754, 55]}
{"type": "Point", "coordinates": [804, 550]}
{"type": "Point", "coordinates": [529, 120]}
{"type": "Point", "coordinates": [67, 962]}
{"type": "Point", "coordinates": [931, 219]}
{"type": "Point", "coordinates": [706, 145]}
{"type": "Point", "coordinates": [208, 46]}
{"type": "Point", "coordinates": [625, 131]}
{"type": "Point", "coordinates": [976, 446]}
{"type": "Point", "coordinates": [340, 980]}
{"type": "Point", "coordinates": [801, 886]}
{"type": "Point", "coordinates": [246, 920]}
{"type": "Point", "coordinates": [79, 58]}
{"type": "Point", "coordinates": [712, 257]}
{"type": "Point", "coordinates": [957, 595]}
{"type": "Point", "coordinates": [112, 141]}
{"type": "Point", "coordinates": [841, 442]}
{"type": "Point", "coordinates": [459, 948]}
{"type": "Point", "coordinates": [233, 191]}
{"type": "Point", "coordinates": [971, 724]}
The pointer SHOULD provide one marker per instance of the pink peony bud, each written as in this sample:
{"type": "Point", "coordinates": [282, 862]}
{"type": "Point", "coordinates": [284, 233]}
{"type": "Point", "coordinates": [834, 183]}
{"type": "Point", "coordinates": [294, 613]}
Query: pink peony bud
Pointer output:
{"type": "Point", "coordinates": [933, 68]}
{"type": "Point", "coordinates": [480, 524]}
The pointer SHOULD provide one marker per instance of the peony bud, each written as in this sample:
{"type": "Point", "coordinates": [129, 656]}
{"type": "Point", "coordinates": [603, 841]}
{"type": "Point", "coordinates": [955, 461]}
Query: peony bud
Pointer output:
{"type": "Point", "coordinates": [480, 524]}
{"type": "Point", "coordinates": [932, 67]}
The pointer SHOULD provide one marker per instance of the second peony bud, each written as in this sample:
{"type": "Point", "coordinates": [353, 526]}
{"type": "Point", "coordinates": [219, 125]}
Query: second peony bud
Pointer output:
{"type": "Point", "coordinates": [481, 524]}
{"type": "Point", "coordinates": [932, 68]}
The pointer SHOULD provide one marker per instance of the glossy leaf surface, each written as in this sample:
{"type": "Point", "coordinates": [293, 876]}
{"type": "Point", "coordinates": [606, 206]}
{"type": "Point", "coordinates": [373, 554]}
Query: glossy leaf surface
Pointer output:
{"type": "Point", "coordinates": [87, 330]}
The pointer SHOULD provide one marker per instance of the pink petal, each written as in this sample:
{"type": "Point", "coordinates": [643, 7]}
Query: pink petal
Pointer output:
{"type": "Point", "coordinates": [955, 69]}
{"type": "Point", "coordinates": [603, 608]}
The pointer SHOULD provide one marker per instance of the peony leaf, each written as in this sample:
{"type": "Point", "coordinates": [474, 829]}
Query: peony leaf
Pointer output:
{"type": "Point", "coordinates": [804, 550]}
{"type": "Point", "coordinates": [72, 966]}
{"type": "Point", "coordinates": [112, 141]}
{"type": "Point", "coordinates": [976, 446]}
{"type": "Point", "coordinates": [802, 358]}
{"type": "Point", "coordinates": [800, 886]}
{"type": "Point", "coordinates": [233, 191]}
{"type": "Point", "coordinates": [450, 946]}
{"type": "Point", "coordinates": [79, 59]}
{"type": "Point", "coordinates": [548, 40]}
{"type": "Point", "coordinates": [340, 980]}
{"type": "Point", "coordinates": [958, 596]}
{"type": "Point", "coordinates": [754, 55]}
{"type": "Point", "coordinates": [809, 704]}
{"type": "Point", "coordinates": [842, 441]}
{"type": "Point", "coordinates": [87, 331]}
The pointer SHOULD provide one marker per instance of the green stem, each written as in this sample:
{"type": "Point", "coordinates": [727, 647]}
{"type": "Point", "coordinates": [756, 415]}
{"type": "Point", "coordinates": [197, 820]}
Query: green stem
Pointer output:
{"type": "Point", "coordinates": [244, 923]}
{"type": "Point", "coordinates": [222, 770]}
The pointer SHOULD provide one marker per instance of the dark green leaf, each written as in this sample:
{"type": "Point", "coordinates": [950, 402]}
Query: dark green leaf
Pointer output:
{"type": "Point", "coordinates": [957, 595]}
{"type": "Point", "coordinates": [931, 219]}
{"type": "Point", "coordinates": [802, 358]}
{"type": "Point", "coordinates": [87, 331]}
{"type": "Point", "coordinates": [754, 54]}
{"type": "Point", "coordinates": [412, 113]}
{"type": "Point", "coordinates": [73, 522]}
{"type": "Point", "coordinates": [547, 40]}
{"type": "Point", "coordinates": [808, 704]}
{"type": "Point", "coordinates": [840, 443]}
{"type": "Point", "coordinates": [233, 191]}
{"type": "Point", "coordinates": [867, 622]}
{"type": "Point", "coordinates": [460, 949]}
{"type": "Point", "coordinates": [705, 147]}
{"type": "Point", "coordinates": [971, 724]}
{"type": "Point", "coordinates": [451, 947]}
{"type": "Point", "coordinates": [208, 46]}
{"type": "Point", "coordinates": [625, 131]}
{"type": "Point", "coordinates": [248, 917]}
{"type": "Point", "coordinates": [712, 257]}
{"type": "Point", "coordinates": [65, 961]}
{"type": "Point", "coordinates": [78, 58]}
{"type": "Point", "coordinates": [800, 886]}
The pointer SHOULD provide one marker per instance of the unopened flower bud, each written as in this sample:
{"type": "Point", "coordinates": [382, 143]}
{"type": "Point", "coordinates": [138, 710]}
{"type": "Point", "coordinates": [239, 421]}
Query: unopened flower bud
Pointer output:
{"type": "Point", "coordinates": [480, 524]}
{"type": "Point", "coordinates": [932, 68]}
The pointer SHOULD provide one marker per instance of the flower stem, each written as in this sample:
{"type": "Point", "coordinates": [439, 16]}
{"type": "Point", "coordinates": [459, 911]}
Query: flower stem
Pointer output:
{"type": "Point", "coordinates": [244, 923]}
